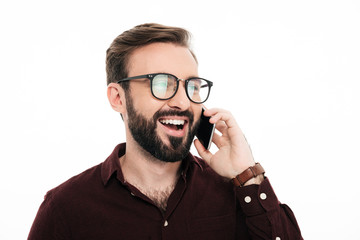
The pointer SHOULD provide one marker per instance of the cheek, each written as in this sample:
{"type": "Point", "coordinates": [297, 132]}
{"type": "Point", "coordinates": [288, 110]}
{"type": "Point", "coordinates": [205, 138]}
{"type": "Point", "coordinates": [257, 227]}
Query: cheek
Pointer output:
{"type": "Point", "coordinates": [197, 112]}
{"type": "Point", "coordinates": [146, 104]}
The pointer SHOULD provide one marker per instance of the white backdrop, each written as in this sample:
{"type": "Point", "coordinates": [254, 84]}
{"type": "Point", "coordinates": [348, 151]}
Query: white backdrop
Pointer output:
{"type": "Point", "coordinates": [288, 71]}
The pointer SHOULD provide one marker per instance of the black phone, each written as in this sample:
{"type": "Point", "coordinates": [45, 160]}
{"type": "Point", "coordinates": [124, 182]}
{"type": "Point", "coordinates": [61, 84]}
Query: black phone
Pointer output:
{"type": "Point", "coordinates": [205, 131]}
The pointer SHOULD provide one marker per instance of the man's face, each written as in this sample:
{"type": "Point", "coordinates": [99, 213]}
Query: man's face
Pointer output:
{"type": "Point", "coordinates": [164, 128]}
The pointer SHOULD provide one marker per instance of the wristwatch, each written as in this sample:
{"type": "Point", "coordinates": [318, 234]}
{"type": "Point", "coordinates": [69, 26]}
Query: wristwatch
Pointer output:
{"type": "Point", "coordinates": [248, 174]}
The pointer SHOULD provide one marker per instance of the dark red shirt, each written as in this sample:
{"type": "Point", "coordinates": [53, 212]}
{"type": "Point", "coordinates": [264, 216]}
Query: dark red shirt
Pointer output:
{"type": "Point", "coordinates": [100, 204]}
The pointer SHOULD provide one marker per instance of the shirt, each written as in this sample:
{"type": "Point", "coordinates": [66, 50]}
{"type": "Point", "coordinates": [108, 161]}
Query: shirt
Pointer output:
{"type": "Point", "coordinates": [100, 204]}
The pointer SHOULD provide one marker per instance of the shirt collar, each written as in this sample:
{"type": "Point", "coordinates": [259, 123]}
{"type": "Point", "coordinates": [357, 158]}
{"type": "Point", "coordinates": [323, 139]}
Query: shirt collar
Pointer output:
{"type": "Point", "coordinates": [112, 164]}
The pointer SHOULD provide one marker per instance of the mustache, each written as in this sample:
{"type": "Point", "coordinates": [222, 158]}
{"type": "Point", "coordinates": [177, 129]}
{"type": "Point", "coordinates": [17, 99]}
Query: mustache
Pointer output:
{"type": "Point", "coordinates": [185, 113]}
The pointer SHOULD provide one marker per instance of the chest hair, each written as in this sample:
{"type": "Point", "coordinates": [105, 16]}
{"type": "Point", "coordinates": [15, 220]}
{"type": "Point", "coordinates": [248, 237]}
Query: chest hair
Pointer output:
{"type": "Point", "coordinates": [158, 196]}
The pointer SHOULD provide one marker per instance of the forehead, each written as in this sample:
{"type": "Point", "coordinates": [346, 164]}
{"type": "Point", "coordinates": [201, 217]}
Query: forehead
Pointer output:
{"type": "Point", "coordinates": [163, 57]}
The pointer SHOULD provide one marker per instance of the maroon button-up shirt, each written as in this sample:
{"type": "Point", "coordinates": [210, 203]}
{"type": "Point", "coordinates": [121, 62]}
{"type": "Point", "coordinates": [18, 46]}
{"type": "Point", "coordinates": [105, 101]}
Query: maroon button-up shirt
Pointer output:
{"type": "Point", "coordinates": [100, 204]}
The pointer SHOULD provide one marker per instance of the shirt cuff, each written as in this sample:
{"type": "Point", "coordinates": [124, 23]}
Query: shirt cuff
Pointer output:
{"type": "Point", "coordinates": [257, 199]}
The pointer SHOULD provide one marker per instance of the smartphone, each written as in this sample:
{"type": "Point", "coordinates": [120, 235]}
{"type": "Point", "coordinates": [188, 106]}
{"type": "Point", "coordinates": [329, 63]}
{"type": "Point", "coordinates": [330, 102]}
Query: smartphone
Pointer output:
{"type": "Point", "coordinates": [205, 131]}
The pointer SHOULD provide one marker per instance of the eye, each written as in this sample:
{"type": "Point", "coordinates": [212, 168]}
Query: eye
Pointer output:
{"type": "Point", "coordinates": [159, 86]}
{"type": "Point", "coordinates": [163, 86]}
{"type": "Point", "coordinates": [194, 86]}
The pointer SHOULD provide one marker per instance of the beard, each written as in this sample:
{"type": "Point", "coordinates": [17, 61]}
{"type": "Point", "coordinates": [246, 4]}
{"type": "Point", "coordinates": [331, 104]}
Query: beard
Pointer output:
{"type": "Point", "coordinates": [143, 130]}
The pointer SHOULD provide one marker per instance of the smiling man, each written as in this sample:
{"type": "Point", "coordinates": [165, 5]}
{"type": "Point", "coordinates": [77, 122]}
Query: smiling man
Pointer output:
{"type": "Point", "coordinates": [151, 187]}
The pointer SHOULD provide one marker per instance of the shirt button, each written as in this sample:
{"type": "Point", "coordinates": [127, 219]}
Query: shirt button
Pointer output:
{"type": "Point", "coordinates": [166, 223]}
{"type": "Point", "coordinates": [277, 238]}
{"type": "Point", "coordinates": [263, 197]}
{"type": "Point", "coordinates": [247, 199]}
{"type": "Point", "coordinates": [132, 194]}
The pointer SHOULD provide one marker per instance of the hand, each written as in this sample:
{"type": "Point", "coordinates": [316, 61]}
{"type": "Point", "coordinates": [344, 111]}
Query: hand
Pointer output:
{"type": "Point", "coordinates": [234, 154]}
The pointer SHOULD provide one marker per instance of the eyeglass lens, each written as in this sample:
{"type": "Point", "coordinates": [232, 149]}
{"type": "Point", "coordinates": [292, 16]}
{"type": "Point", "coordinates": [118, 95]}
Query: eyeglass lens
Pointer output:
{"type": "Point", "coordinates": [164, 87]}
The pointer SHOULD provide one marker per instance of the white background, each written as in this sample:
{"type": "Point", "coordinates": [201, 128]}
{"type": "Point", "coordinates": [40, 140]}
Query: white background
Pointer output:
{"type": "Point", "coordinates": [287, 70]}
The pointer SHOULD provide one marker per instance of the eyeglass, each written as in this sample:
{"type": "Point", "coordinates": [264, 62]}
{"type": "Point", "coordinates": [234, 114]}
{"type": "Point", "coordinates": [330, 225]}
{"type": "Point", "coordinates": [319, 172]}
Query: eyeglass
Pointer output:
{"type": "Point", "coordinates": [164, 86]}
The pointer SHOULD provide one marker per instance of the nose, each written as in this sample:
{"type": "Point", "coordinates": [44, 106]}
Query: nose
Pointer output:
{"type": "Point", "coordinates": [180, 100]}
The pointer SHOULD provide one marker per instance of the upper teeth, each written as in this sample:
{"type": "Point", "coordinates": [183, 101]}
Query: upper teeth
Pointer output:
{"type": "Point", "coordinates": [173, 121]}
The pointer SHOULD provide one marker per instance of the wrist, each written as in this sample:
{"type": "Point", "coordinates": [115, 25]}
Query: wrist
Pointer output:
{"type": "Point", "coordinates": [252, 175]}
{"type": "Point", "coordinates": [256, 180]}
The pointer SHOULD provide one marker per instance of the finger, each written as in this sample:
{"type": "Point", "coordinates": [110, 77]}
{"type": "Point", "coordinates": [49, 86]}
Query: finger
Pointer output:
{"type": "Point", "coordinates": [226, 117]}
{"type": "Point", "coordinates": [203, 152]}
{"type": "Point", "coordinates": [232, 129]}
{"type": "Point", "coordinates": [221, 127]}
{"type": "Point", "coordinates": [218, 113]}
{"type": "Point", "coordinates": [217, 140]}
{"type": "Point", "coordinates": [213, 111]}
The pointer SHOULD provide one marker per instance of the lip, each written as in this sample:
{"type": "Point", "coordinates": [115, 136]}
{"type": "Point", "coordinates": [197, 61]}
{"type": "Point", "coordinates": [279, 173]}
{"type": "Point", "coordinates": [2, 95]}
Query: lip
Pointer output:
{"type": "Point", "coordinates": [172, 132]}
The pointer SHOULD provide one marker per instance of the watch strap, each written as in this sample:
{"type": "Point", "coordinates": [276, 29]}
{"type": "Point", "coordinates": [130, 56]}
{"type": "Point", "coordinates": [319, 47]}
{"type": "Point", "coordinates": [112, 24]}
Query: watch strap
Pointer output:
{"type": "Point", "coordinates": [248, 174]}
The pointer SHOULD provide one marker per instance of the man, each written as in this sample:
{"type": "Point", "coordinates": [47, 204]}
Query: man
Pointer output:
{"type": "Point", "coordinates": [151, 187]}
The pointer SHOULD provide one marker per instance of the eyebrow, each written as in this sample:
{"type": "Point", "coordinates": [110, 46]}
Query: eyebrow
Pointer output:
{"type": "Point", "coordinates": [193, 77]}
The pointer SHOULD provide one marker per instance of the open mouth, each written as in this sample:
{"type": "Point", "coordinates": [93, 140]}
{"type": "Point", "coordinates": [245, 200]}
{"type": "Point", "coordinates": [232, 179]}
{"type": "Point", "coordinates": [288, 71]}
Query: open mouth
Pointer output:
{"type": "Point", "coordinates": [174, 124]}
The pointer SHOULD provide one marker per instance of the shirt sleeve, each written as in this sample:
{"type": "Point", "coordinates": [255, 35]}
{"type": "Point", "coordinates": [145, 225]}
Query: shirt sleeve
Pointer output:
{"type": "Point", "coordinates": [265, 216]}
{"type": "Point", "coordinates": [49, 222]}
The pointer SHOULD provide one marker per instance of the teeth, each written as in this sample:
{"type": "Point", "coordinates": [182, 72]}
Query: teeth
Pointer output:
{"type": "Point", "coordinates": [173, 121]}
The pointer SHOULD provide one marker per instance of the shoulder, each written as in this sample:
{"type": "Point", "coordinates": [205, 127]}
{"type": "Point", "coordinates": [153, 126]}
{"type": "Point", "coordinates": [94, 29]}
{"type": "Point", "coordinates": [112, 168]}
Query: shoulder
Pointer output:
{"type": "Point", "coordinates": [87, 185]}
{"type": "Point", "coordinates": [76, 186]}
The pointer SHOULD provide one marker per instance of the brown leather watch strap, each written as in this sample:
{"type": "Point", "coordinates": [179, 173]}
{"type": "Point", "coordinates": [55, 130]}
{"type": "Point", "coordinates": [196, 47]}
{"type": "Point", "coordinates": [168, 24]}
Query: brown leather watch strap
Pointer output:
{"type": "Point", "coordinates": [248, 174]}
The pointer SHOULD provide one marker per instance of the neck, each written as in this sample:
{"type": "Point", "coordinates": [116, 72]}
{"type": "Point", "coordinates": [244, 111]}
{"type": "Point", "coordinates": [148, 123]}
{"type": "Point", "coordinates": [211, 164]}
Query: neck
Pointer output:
{"type": "Point", "coordinates": [154, 178]}
{"type": "Point", "coordinates": [142, 169]}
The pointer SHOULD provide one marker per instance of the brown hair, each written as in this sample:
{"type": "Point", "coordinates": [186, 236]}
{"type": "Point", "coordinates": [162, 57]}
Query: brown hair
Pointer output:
{"type": "Point", "coordinates": [118, 54]}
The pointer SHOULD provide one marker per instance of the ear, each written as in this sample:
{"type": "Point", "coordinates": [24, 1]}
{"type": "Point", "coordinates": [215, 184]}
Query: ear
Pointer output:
{"type": "Point", "coordinates": [116, 96]}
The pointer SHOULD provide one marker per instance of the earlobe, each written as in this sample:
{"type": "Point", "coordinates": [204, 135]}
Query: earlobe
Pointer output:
{"type": "Point", "coordinates": [116, 97]}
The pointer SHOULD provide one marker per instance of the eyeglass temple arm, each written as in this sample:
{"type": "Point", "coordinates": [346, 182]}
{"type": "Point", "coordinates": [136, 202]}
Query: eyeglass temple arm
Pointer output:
{"type": "Point", "coordinates": [130, 78]}
{"type": "Point", "coordinates": [209, 84]}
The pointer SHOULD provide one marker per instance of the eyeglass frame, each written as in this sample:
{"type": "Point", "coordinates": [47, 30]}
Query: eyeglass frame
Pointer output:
{"type": "Point", "coordinates": [152, 75]}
